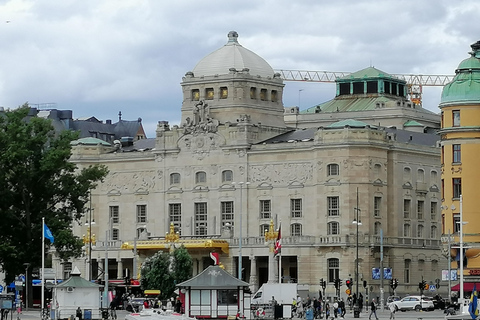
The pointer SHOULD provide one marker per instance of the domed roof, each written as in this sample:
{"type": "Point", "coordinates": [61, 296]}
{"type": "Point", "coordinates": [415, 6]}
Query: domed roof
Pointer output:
{"type": "Point", "coordinates": [465, 87]}
{"type": "Point", "coordinates": [232, 55]}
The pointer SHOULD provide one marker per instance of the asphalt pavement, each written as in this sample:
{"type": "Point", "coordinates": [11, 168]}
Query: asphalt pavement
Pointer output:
{"type": "Point", "coordinates": [382, 315]}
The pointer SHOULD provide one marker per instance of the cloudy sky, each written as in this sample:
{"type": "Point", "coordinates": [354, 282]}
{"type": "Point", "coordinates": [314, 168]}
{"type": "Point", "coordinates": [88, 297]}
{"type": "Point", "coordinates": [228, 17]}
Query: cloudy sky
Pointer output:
{"type": "Point", "coordinates": [101, 57]}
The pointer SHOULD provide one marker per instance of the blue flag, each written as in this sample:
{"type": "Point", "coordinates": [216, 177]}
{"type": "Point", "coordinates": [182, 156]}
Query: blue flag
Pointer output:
{"type": "Point", "coordinates": [47, 233]}
{"type": "Point", "coordinates": [472, 307]}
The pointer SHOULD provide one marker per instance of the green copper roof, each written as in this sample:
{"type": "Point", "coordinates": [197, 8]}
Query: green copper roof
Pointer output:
{"type": "Point", "coordinates": [367, 73]}
{"type": "Point", "coordinates": [349, 104]}
{"type": "Point", "coordinates": [90, 141]}
{"type": "Point", "coordinates": [465, 87]}
{"type": "Point", "coordinates": [412, 123]}
{"type": "Point", "coordinates": [348, 122]}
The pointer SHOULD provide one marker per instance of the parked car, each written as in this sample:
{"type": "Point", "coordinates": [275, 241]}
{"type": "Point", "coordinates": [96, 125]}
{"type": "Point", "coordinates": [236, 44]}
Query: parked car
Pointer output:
{"type": "Point", "coordinates": [416, 303]}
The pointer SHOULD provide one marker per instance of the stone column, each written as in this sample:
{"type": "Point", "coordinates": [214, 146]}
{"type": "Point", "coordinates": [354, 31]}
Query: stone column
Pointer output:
{"type": "Point", "coordinates": [271, 268]}
{"type": "Point", "coordinates": [253, 274]}
{"type": "Point", "coordinates": [119, 268]}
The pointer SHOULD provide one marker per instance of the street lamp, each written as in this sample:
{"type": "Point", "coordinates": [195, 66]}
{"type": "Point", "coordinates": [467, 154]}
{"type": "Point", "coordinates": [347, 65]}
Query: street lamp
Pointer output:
{"type": "Point", "coordinates": [89, 223]}
{"type": "Point", "coordinates": [26, 265]}
{"type": "Point", "coordinates": [240, 228]}
{"type": "Point", "coordinates": [357, 222]}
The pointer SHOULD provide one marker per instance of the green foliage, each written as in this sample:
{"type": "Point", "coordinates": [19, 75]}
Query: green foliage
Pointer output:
{"type": "Point", "coordinates": [37, 180]}
{"type": "Point", "coordinates": [163, 271]}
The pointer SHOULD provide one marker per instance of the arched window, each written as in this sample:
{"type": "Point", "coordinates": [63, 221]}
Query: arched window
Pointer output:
{"type": "Point", "coordinates": [200, 177]}
{"type": "Point", "coordinates": [333, 228]}
{"type": "Point", "coordinates": [333, 169]}
{"type": "Point", "coordinates": [420, 175]}
{"type": "Point", "coordinates": [175, 178]}
{"type": "Point", "coordinates": [333, 265]}
{"type": "Point", "coordinates": [406, 270]}
{"type": "Point", "coordinates": [141, 232]}
{"type": "Point", "coordinates": [296, 230]}
{"type": "Point", "coordinates": [263, 229]}
{"type": "Point", "coordinates": [407, 175]}
{"type": "Point", "coordinates": [227, 176]}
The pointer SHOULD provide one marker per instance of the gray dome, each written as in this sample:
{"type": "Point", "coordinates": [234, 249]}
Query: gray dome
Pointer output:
{"type": "Point", "coordinates": [232, 55]}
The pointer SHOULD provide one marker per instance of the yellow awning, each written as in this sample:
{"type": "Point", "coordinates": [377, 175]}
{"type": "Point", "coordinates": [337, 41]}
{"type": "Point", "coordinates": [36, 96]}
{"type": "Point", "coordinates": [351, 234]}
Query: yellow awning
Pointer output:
{"type": "Point", "coordinates": [162, 244]}
{"type": "Point", "coordinates": [153, 292]}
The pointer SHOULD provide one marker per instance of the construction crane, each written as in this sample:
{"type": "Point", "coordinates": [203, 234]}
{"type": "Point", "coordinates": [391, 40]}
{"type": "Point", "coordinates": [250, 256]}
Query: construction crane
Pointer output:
{"type": "Point", "coordinates": [415, 82]}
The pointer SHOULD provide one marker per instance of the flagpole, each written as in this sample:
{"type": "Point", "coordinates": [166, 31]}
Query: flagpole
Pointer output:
{"type": "Point", "coordinates": [280, 254]}
{"type": "Point", "coordinates": [43, 265]}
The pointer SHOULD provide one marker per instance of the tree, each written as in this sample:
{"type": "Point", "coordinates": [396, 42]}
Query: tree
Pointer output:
{"type": "Point", "coordinates": [37, 180]}
{"type": "Point", "coordinates": [165, 270]}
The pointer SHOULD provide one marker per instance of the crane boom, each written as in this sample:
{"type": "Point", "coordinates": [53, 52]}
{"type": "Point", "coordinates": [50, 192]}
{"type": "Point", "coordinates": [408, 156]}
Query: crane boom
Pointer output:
{"type": "Point", "coordinates": [415, 82]}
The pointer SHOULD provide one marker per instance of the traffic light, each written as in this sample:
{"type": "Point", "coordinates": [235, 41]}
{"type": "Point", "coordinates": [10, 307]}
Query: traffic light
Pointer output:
{"type": "Point", "coordinates": [395, 283]}
{"type": "Point", "coordinates": [349, 283]}
{"type": "Point", "coordinates": [365, 284]}
{"type": "Point", "coordinates": [391, 284]}
{"type": "Point", "coordinates": [323, 283]}
{"type": "Point", "coordinates": [336, 283]}
{"type": "Point", "coordinates": [422, 285]}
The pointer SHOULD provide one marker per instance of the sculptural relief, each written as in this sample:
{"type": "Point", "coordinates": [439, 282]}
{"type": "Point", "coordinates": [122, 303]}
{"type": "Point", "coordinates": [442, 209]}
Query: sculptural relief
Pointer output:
{"type": "Point", "coordinates": [281, 173]}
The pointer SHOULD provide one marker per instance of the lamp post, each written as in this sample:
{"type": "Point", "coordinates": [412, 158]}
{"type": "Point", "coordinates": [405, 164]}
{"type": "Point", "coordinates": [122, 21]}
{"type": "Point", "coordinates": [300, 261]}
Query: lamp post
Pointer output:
{"type": "Point", "coordinates": [26, 265]}
{"type": "Point", "coordinates": [357, 222]}
{"type": "Point", "coordinates": [240, 228]}
{"type": "Point", "coordinates": [89, 223]}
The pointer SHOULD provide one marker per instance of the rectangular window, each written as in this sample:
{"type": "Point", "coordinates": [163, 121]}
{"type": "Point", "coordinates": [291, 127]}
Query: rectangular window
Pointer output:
{"type": "Point", "coordinates": [201, 219]}
{"type": "Point", "coordinates": [433, 211]}
{"type": "Point", "coordinates": [141, 213]}
{"type": "Point", "coordinates": [228, 216]}
{"type": "Point", "coordinates": [274, 97]}
{"type": "Point", "coordinates": [115, 234]}
{"type": "Point", "coordinates": [263, 94]}
{"type": "Point", "coordinates": [265, 209]}
{"type": "Point", "coordinates": [333, 206]}
{"type": "Point", "coordinates": [420, 209]}
{"type": "Point", "coordinates": [253, 93]}
{"type": "Point", "coordinates": [406, 271]}
{"type": "Point", "coordinates": [296, 230]}
{"type": "Point", "coordinates": [333, 269]}
{"type": "Point", "coordinates": [406, 208]}
{"type": "Point", "coordinates": [114, 214]}
{"type": "Point", "coordinates": [195, 95]}
{"type": "Point", "coordinates": [457, 187]}
{"type": "Point", "coordinates": [223, 93]}
{"type": "Point", "coordinates": [457, 155]}
{"type": "Point", "coordinates": [209, 94]}
{"type": "Point", "coordinates": [377, 203]}
{"type": "Point", "coordinates": [227, 297]}
{"type": "Point", "coordinates": [456, 222]}
{"type": "Point", "coordinates": [175, 216]}
{"type": "Point", "coordinates": [456, 118]}
{"type": "Point", "coordinates": [296, 208]}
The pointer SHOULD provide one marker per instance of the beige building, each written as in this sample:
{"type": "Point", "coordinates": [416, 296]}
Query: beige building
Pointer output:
{"type": "Point", "coordinates": [241, 162]}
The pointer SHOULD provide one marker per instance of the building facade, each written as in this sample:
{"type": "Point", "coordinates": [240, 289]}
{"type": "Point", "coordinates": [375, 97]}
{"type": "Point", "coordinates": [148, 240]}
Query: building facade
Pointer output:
{"type": "Point", "coordinates": [460, 106]}
{"type": "Point", "coordinates": [241, 166]}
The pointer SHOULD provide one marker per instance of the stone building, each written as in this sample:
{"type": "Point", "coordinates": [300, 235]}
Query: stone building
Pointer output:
{"type": "Point", "coordinates": [460, 105]}
{"type": "Point", "coordinates": [241, 165]}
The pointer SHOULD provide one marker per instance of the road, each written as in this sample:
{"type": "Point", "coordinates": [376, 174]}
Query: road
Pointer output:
{"type": "Point", "coordinates": [382, 315]}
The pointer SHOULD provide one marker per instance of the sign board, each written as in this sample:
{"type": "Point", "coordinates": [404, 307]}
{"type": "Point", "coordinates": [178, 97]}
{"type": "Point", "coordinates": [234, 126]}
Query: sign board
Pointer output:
{"type": "Point", "coordinates": [49, 273]}
{"type": "Point", "coordinates": [432, 287]}
{"type": "Point", "coordinates": [1, 288]}
{"type": "Point", "coordinates": [453, 275]}
{"type": "Point", "coordinates": [348, 291]}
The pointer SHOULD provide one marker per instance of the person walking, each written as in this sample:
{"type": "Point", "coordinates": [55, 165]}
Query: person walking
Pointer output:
{"type": "Point", "coordinates": [373, 310]}
{"type": "Point", "coordinates": [341, 307]}
{"type": "Point", "coordinates": [391, 306]}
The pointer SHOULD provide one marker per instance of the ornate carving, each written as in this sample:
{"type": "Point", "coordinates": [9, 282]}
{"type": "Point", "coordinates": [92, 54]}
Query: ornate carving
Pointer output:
{"type": "Point", "coordinates": [456, 169]}
{"type": "Point", "coordinates": [281, 173]}
{"type": "Point", "coordinates": [202, 122]}
{"type": "Point", "coordinates": [131, 181]}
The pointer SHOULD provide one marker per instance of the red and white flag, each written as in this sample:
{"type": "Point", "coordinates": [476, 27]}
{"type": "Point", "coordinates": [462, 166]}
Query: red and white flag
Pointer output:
{"type": "Point", "coordinates": [278, 242]}
{"type": "Point", "coordinates": [215, 257]}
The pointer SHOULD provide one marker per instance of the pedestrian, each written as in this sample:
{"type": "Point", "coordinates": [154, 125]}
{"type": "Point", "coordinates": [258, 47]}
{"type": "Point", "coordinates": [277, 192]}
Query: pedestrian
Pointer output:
{"type": "Point", "coordinates": [360, 302]}
{"type": "Point", "coordinates": [373, 310]}
{"type": "Point", "coordinates": [335, 308]}
{"type": "Point", "coordinates": [391, 306]}
{"type": "Point", "coordinates": [341, 307]}
{"type": "Point", "coordinates": [79, 313]}
{"type": "Point", "coordinates": [178, 306]}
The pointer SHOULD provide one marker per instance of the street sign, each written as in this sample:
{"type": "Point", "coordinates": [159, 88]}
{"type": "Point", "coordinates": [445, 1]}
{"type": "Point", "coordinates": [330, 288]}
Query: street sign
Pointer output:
{"type": "Point", "coordinates": [432, 287]}
{"type": "Point", "coordinates": [427, 286]}
{"type": "Point", "coordinates": [1, 288]}
{"type": "Point", "coordinates": [348, 291]}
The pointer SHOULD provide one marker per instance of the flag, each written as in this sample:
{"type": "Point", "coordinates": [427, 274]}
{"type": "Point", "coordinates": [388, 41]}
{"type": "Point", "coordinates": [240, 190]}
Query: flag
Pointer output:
{"type": "Point", "coordinates": [47, 233]}
{"type": "Point", "coordinates": [472, 307]}
{"type": "Point", "coordinates": [215, 258]}
{"type": "Point", "coordinates": [278, 242]}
